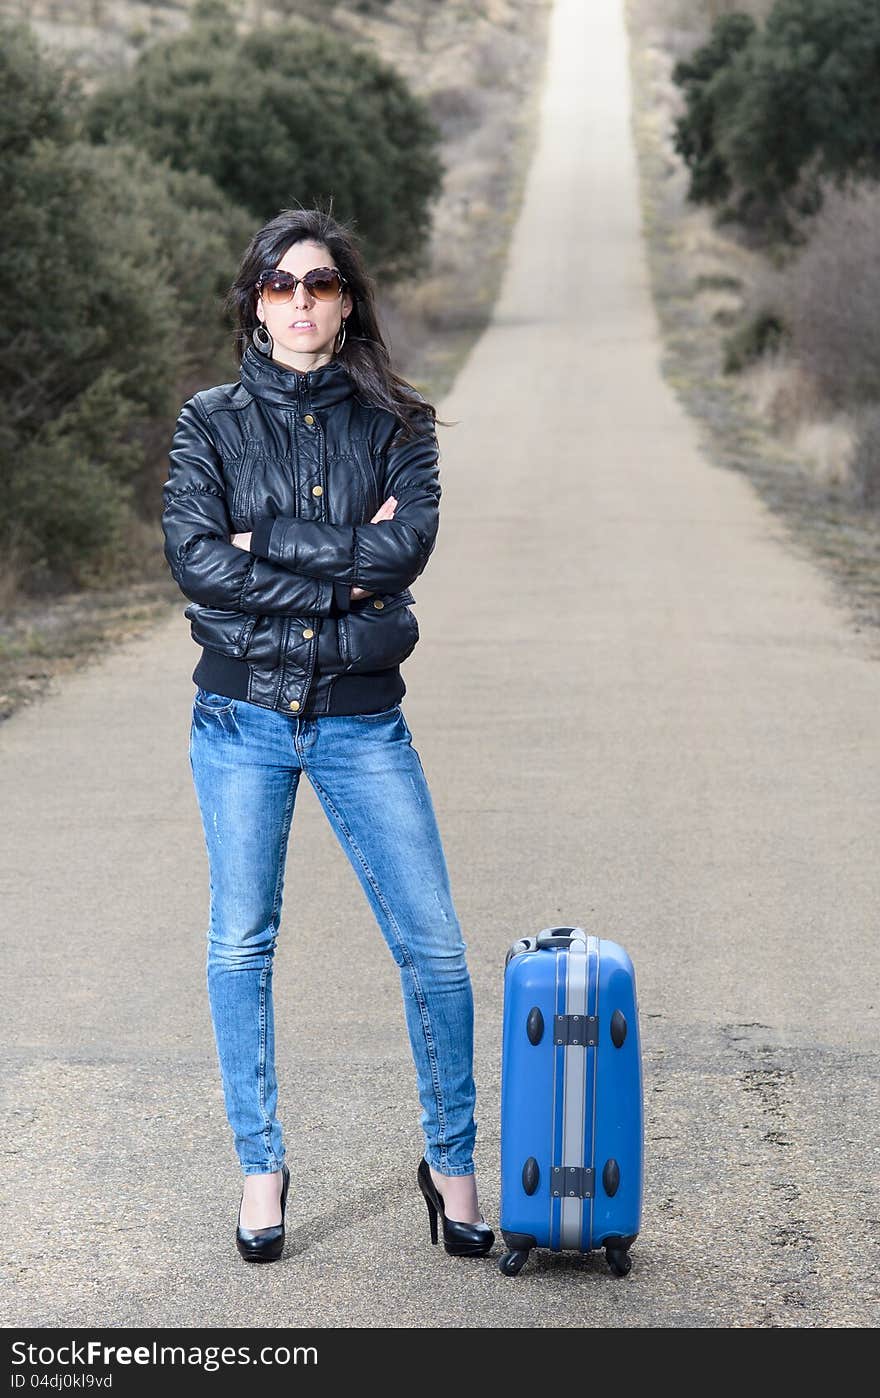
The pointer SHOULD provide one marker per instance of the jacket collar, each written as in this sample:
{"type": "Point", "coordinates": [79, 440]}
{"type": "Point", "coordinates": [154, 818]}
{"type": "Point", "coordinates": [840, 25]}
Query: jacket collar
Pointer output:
{"type": "Point", "coordinates": [320, 388]}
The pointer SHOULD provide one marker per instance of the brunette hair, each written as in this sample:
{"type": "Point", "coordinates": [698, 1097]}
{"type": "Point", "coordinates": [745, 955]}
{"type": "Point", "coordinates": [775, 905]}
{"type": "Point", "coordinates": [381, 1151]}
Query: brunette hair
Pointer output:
{"type": "Point", "coordinates": [364, 353]}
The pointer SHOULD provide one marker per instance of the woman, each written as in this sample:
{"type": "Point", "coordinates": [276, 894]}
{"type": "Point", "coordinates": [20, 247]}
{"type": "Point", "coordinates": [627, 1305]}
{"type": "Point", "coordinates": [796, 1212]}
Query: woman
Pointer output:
{"type": "Point", "coordinates": [301, 503]}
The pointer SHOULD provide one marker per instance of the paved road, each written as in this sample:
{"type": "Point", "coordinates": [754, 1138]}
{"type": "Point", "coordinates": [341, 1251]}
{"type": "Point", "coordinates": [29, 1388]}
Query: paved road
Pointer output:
{"type": "Point", "coordinates": [639, 710]}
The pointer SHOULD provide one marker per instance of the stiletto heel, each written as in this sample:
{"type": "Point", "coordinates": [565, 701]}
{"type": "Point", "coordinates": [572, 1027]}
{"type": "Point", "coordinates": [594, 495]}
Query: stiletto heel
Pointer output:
{"type": "Point", "coordinates": [264, 1244]}
{"type": "Point", "coordinates": [459, 1239]}
{"type": "Point", "coordinates": [432, 1219]}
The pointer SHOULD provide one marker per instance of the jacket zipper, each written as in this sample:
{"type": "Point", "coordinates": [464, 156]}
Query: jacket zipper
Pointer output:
{"type": "Point", "coordinates": [302, 401]}
{"type": "Point", "coordinates": [237, 508]}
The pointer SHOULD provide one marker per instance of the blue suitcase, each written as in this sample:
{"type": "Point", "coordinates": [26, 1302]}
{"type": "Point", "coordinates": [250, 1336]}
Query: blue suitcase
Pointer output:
{"type": "Point", "coordinates": [572, 1121]}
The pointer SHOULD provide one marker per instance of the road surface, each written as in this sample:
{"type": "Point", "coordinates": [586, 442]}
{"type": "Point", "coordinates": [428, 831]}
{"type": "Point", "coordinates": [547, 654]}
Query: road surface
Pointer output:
{"type": "Point", "coordinates": [640, 711]}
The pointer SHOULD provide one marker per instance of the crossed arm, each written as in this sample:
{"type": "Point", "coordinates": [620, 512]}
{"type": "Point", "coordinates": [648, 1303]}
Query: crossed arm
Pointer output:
{"type": "Point", "coordinates": [344, 594]}
{"type": "Point", "coordinates": [386, 555]}
{"type": "Point", "coordinates": [303, 562]}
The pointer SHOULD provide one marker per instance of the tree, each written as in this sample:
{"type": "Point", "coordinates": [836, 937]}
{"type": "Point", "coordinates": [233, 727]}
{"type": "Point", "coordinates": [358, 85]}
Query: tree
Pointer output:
{"type": "Point", "coordinates": [39, 97]}
{"type": "Point", "coordinates": [283, 116]}
{"type": "Point", "coordinates": [774, 111]}
{"type": "Point", "coordinates": [709, 90]}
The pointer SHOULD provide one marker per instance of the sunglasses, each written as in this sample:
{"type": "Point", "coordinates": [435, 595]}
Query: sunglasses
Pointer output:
{"type": "Point", "coordinates": [323, 283]}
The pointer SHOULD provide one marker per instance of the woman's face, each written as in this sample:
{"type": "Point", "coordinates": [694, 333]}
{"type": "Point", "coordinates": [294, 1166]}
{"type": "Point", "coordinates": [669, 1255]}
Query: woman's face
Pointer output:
{"type": "Point", "coordinates": [304, 329]}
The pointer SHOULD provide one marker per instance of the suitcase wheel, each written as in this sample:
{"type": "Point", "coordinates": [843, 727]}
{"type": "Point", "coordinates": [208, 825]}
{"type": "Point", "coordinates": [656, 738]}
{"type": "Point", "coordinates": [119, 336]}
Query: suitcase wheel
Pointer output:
{"type": "Point", "coordinates": [512, 1263]}
{"type": "Point", "coordinates": [618, 1260]}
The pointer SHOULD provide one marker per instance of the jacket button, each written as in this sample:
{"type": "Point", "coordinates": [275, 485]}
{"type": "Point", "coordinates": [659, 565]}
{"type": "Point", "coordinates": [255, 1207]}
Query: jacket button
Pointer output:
{"type": "Point", "coordinates": [294, 704]}
{"type": "Point", "coordinates": [317, 490]}
{"type": "Point", "coordinates": [308, 634]}
{"type": "Point", "coordinates": [309, 419]}
{"type": "Point", "coordinates": [378, 605]}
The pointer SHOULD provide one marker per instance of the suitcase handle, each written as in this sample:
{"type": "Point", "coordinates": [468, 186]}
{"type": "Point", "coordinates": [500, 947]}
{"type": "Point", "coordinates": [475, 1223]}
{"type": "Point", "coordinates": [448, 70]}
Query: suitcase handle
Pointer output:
{"type": "Point", "coordinates": [560, 936]}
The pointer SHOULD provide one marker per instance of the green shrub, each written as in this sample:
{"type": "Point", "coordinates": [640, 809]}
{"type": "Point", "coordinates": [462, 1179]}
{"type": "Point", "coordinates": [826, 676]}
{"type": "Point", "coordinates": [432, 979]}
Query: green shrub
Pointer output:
{"type": "Point", "coordinates": [39, 97]}
{"type": "Point", "coordinates": [709, 85]}
{"type": "Point", "coordinates": [68, 496]}
{"type": "Point", "coordinates": [112, 273]}
{"type": "Point", "coordinates": [109, 262]}
{"type": "Point", "coordinates": [771, 112]}
{"type": "Point", "coordinates": [285, 115]}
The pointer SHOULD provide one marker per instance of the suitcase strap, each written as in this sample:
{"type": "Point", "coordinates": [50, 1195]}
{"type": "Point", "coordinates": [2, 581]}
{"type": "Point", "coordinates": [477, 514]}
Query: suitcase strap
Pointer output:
{"type": "Point", "coordinates": [572, 1182]}
{"type": "Point", "coordinates": [576, 1029]}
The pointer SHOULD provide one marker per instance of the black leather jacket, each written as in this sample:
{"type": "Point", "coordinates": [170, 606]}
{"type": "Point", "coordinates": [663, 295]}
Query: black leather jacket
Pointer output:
{"type": "Point", "coordinates": [303, 463]}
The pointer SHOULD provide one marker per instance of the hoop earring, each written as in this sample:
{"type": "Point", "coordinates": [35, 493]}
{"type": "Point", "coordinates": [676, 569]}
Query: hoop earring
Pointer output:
{"type": "Point", "coordinates": [262, 340]}
{"type": "Point", "coordinates": [342, 341]}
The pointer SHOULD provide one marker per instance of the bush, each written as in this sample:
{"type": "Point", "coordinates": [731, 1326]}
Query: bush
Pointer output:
{"type": "Point", "coordinates": [831, 292]}
{"type": "Point", "coordinates": [112, 273]}
{"type": "Point", "coordinates": [707, 79]}
{"type": "Point", "coordinates": [39, 97]}
{"type": "Point", "coordinates": [771, 113]}
{"type": "Point", "coordinates": [68, 497]}
{"type": "Point", "coordinates": [286, 115]}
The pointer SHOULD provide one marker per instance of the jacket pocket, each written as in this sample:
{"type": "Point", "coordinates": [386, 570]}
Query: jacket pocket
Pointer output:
{"type": "Point", "coordinates": [239, 510]}
{"type": "Point", "coordinates": [254, 638]}
{"type": "Point", "coordinates": [378, 633]}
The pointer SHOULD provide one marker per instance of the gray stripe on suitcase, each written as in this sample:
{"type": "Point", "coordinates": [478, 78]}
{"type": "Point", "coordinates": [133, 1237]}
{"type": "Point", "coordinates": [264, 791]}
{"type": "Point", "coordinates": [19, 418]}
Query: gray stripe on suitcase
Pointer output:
{"type": "Point", "coordinates": [594, 948]}
{"type": "Point", "coordinates": [557, 1088]}
{"type": "Point", "coordinates": [574, 1091]}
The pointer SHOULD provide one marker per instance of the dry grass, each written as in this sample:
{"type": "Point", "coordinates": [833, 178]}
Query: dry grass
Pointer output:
{"type": "Point", "coordinates": [800, 391]}
{"type": "Point", "coordinates": [826, 447]}
{"type": "Point", "coordinates": [784, 395]}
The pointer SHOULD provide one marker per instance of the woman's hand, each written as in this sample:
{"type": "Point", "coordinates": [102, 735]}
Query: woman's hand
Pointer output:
{"type": "Point", "coordinates": [241, 541]}
{"type": "Point", "coordinates": [385, 511]}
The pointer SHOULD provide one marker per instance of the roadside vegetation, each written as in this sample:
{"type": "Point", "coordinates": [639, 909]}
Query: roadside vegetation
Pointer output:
{"type": "Point", "coordinates": [755, 127]}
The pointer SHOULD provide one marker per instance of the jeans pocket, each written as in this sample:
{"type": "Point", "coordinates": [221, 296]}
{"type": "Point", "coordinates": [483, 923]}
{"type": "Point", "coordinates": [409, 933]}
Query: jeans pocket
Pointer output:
{"type": "Point", "coordinates": [209, 702]}
{"type": "Point", "coordinates": [382, 715]}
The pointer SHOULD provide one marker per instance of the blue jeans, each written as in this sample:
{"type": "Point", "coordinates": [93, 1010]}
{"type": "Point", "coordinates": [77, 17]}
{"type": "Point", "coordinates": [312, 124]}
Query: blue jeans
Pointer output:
{"type": "Point", "coordinates": [246, 762]}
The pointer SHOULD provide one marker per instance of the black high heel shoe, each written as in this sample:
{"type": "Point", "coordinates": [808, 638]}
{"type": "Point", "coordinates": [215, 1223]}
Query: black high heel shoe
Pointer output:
{"type": "Point", "coordinates": [459, 1239]}
{"type": "Point", "coordinates": [263, 1244]}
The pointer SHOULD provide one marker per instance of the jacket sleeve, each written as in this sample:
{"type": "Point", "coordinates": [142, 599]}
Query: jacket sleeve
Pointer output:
{"type": "Point", "coordinates": [195, 519]}
{"type": "Point", "coordinates": [383, 557]}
